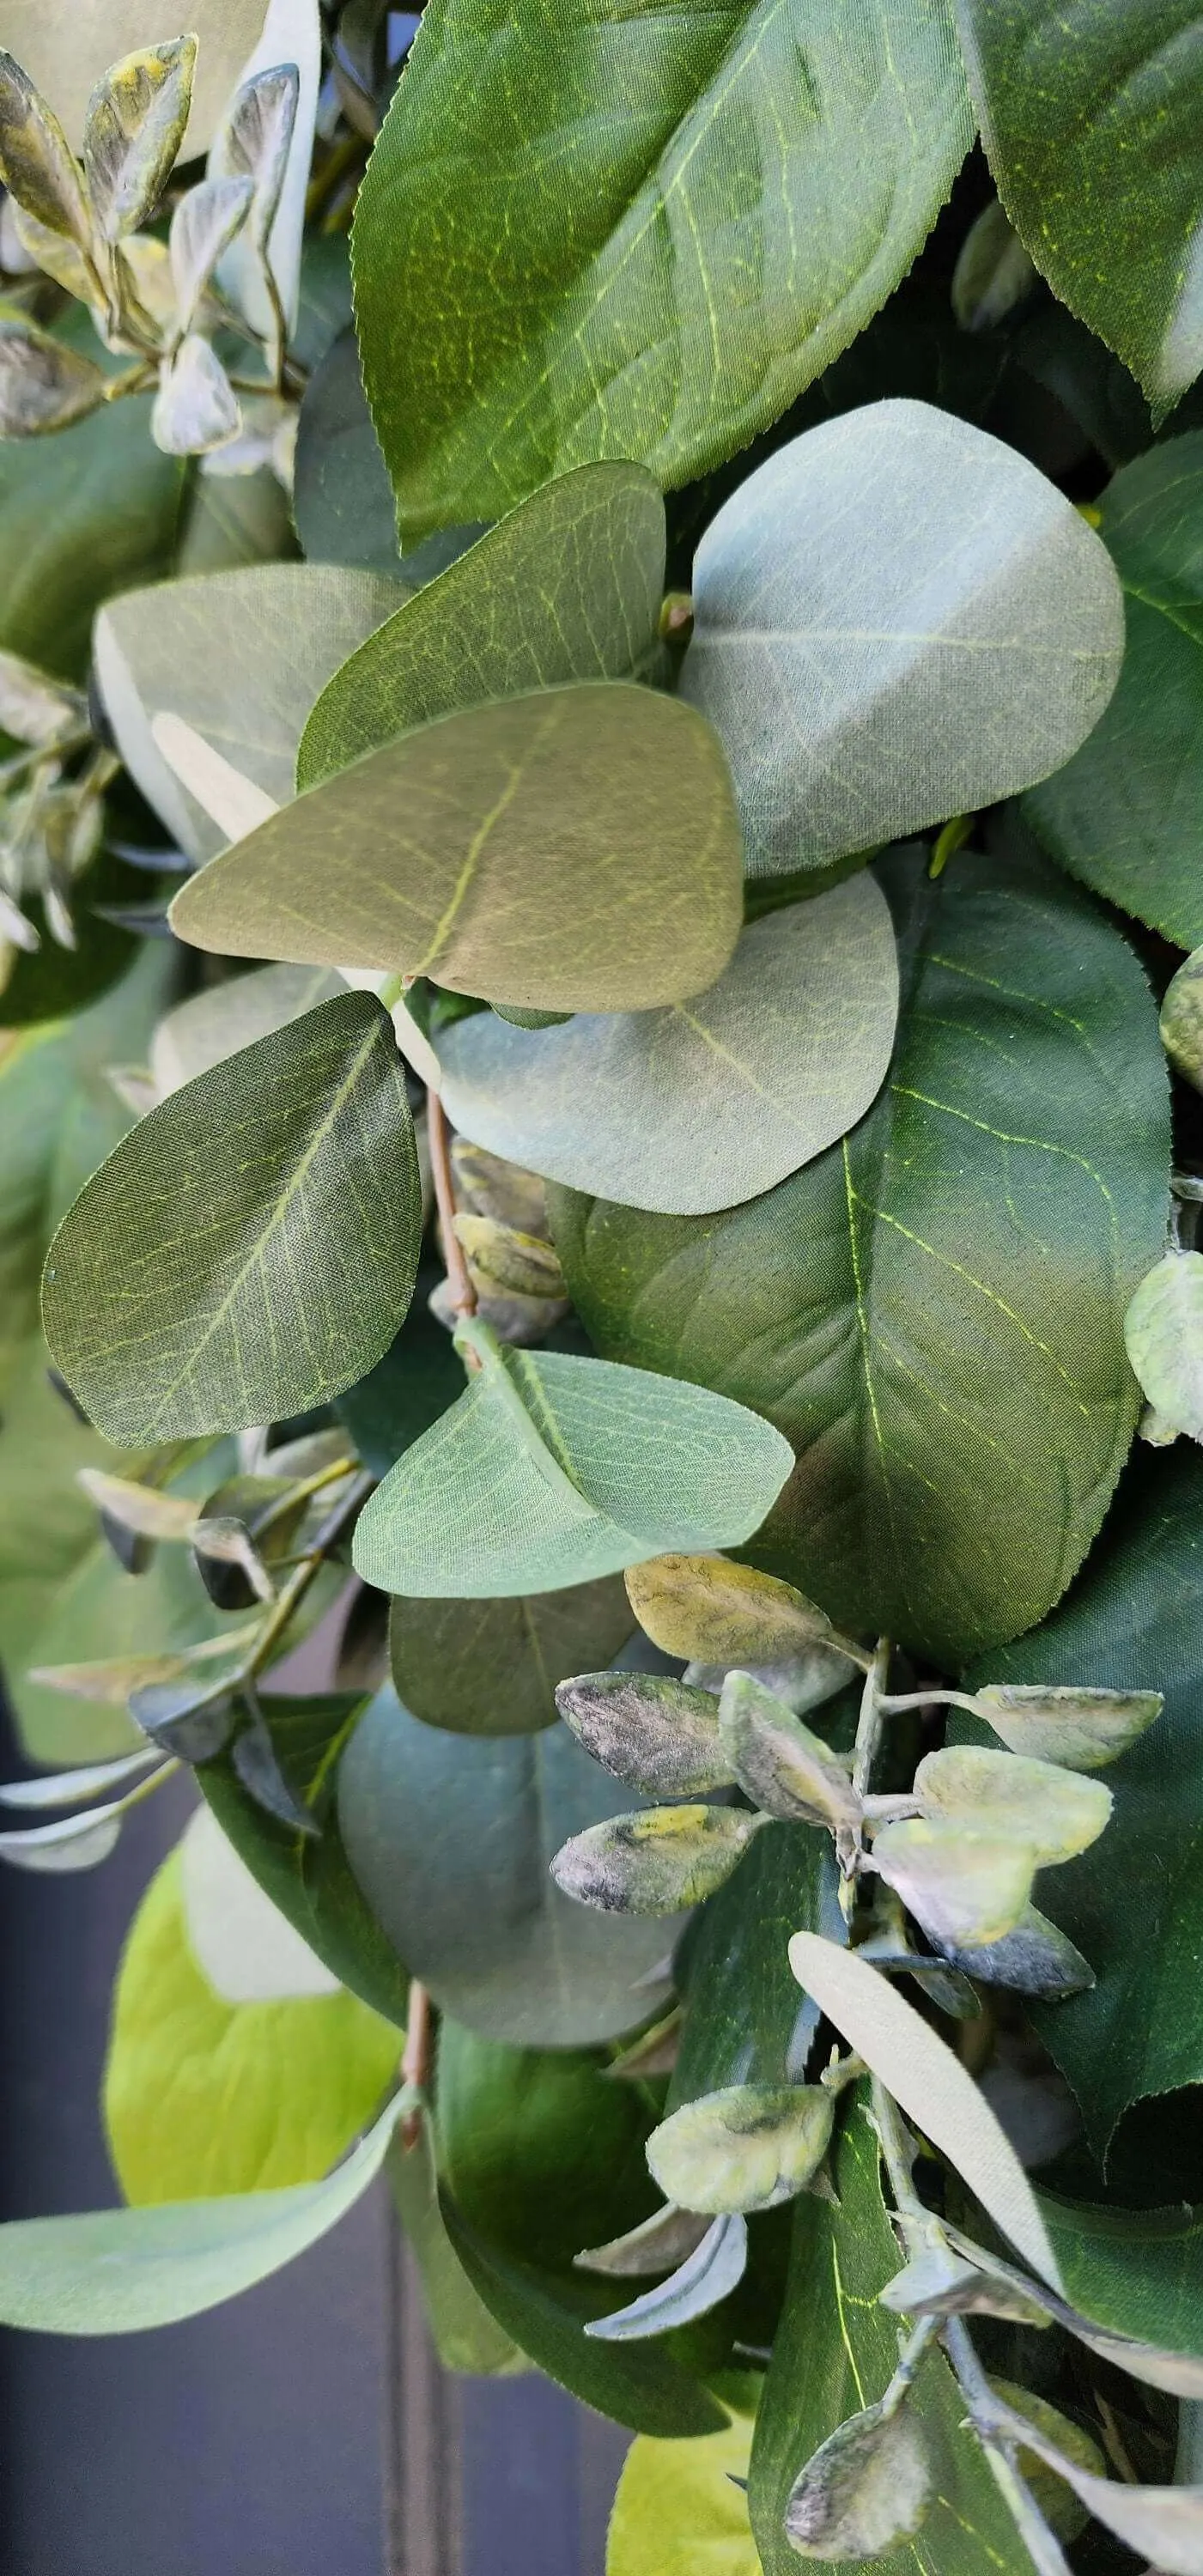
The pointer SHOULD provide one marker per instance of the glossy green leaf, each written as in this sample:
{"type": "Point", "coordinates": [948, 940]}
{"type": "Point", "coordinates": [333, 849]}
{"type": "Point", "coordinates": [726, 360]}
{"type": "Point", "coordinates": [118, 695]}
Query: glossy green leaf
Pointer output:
{"type": "Point", "coordinates": [568, 587]}
{"type": "Point", "coordinates": [195, 1288]}
{"type": "Point", "coordinates": [732, 211]}
{"type": "Point", "coordinates": [536, 2145]}
{"type": "Point", "coordinates": [1163, 1331]}
{"type": "Point", "coordinates": [714, 1100]}
{"type": "Point", "coordinates": [930, 2083]}
{"type": "Point", "coordinates": [835, 2353]}
{"type": "Point", "coordinates": [451, 1840]}
{"type": "Point", "coordinates": [116, 2271]}
{"type": "Point", "coordinates": [959, 1410]}
{"type": "Point", "coordinates": [780, 1765]}
{"type": "Point", "coordinates": [520, 1486]}
{"type": "Point", "coordinates": [67, 46]}
{"type": "Point", "coordinates": [1090, 118]}
{"type": "Point", "coordinates": [1122, 814]}
{"type": "Point", "coordinates": [655, 1862]}
{"type": "Point", "coordinates": [656, 1733]}
{"type": "Point", "coordinates": [896, 618]}
{"type": "Point", "coordinates": [1055, 1811]}
{"type": "Point", "coordinates": [307, 1875]}
{"type": "Point", "coordinates": [745, 2021]}
{"type": "Point", "coordinates": [134, 129]}
{"type": "Point", "coordinates": [707, 2276]}
{"type": "Point", "coordinates": [1134, 1616]}
{"type": "Point", "coordinates": [492, 1667]}
{"type": "Point", "coordinates": [203, 2095]}
{"type": "Point", "coordinates": [748, 2147]}
{"type": "Point", "coordinates": [868, 2488]}
{"type": "Point", "coordinates": [680, 2506]}
{"type": "Point", "coordinates": [238, 655]}
{"type": "Point", "coordinates": [575, 848]}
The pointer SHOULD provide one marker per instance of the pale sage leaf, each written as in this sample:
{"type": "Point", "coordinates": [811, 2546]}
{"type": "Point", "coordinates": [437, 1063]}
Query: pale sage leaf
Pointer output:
{"type": "Point", "coordinates": [204, 223]}
{"type": "Point", "coordinates": [196, 408]}
{"type": "Point", "coordinates": [964, 1887]}
{"type": "Point", "coordinates": [1162, 2524]}
{"type": "Point", "coordinates": [747, 2147]}
{"type": "Point", "coordinates": [708, 2274]}
{"type": "Point", "coordinates": [74, 1788]}
{"type": "Point", "coordinates": [1057, 1722]}
{"type": "Point", "coordinates": [646, 1728]}
{"type": "Point", "coordinates": [33, 708]}
{"type": "Point", "coordinates": [866, 2491]}
{"type": "Point", "coordinates": [713, 1100]}
{"type": "Point", "coordinates": [784, 1769]}
{"type": "Point", "coordinates": [1055, 1811]}
{"type": "Point", "coordinates": [896, 618]}
{"type": "Point", "coordinates": [44, 385]}
{"type": "Point", "coordinates": [36, 161]}
{"type": "Point", "coordinates": [1163, 1334]}
{"type": "Point", "coordinates": [217, 1022]}
{"type": "Point", "coordinates": [658, 1861]}
{"type": "Point", "coordinates": [135, 126]}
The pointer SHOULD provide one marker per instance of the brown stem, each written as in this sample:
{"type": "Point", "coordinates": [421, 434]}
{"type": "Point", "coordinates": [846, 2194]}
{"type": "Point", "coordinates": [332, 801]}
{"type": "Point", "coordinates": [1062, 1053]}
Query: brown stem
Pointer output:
{"type": "Point", "coordinates": [463, 1294]}
{"type": "Point", "coordinates": [415, 2062]}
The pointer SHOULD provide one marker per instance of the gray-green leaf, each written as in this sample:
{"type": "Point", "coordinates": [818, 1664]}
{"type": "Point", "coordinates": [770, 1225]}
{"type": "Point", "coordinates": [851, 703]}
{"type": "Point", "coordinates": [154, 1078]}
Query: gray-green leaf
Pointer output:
{"type": "Point", "coordinates": [196, 408]}
{"type": "Point", "coordinates": [707, 2275]}
{"type": "Point", "coordinates": [44, 384]}
{"type": "Point", "coordinates": [554, 1470]}
{"type": "Point", "coordinates": [1163, 1332]}
{"type": "Point", "coordinates": [779, 1764]}
{"type": "Point", "coordinates": [895, 619]}
{"type": "Point", "coordinates": [251, 1248]}
{"type": "Point", "coordinates": [965, 1888]}
{"type": "Point", "coordinates": [656, 1733]}
{"type": "Point", "coordinates": [1054, 1811]}
{"type": "Point", "coordinates": [1058, 1722]}
{"type": "Point", "coordinates": [717, 1098]}
{"type": "Point", "coordinates": [748, 2147]}
{"type": "Point", "coordinates": [204, 223]}
{"type": "Point", "coordinates": [36, 161]}
{"type": "Point", "coordinates": [659, 1861]}
{"type": "Point", "coordinates": [866, 2490]}
{"type": "Point", "coordinates": [134, 129]}
{"type": "Point", "coordinates": [572, 849]}
{"type": "Point", "coordinates": [491, 1667]}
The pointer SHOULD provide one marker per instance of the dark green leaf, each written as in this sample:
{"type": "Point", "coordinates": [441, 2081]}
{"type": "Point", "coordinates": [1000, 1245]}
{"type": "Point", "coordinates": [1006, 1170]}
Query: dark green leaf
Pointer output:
{"type": "Point", "coordinates": [568, 587]}
{"type": "Point", "coordinates": [419, 1377]}
{"type": "Point", "coordinates": [491, 1667]}
{"type": "Point", "coordinates": [1122, 814]}
{"type": "Point", "coordinates": [250, 1248]}
{"type": "Point", "coordinates": [466, 2338]}
{"type": "Point", "coordinates": [960, 1409]}
{"type": "Point", "coordinates": [653, 267]}
{"type": "Point", "coordinates": [745, 2019]}
{"type": "Point", "coordinates": [342, 497]}
{"type": "Point", "coordinates": [1137, 2271]}
{"type": "Point", "coordinates": [836, 2352]}
{"type": "Point", "coordinates": [451, 1840]}
{"type": "Point", "coordinates": [538, 2146]}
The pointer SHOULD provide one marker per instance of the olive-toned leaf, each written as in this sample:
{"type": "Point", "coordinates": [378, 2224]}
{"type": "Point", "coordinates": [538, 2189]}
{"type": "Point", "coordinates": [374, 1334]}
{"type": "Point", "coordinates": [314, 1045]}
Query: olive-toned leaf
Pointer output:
{"type": "Point", "coordinates": [714, 1100]}
{"type": "Point", "coordinates": [681, 2506]}
{"type": "Point", "coordinates": [267, 133]}
{"type": "Point", "coordinates": [204, 223]}
{"type": "Point", "coordinates": [36, 162]}
{"type": "Point", "coordinates": [878, 1307]}
{"type": "Point", "coordinates": [865, 2491]}
{"type": "Point", "coordinates": [1163, 1332]}
{"type": "Point", "coordinates": [116, 2271]}
{"type": "Point", "coordinates": [492, 1667]}
{"type": "Point", "coordinates": [238, 655]}
{"type": "Point", "coordinates": [34, 709]}
{"type": "Point", "coordinates": [522, 1264]}
{"type": "Point", "coordinates": [135, 127]}
{"type": "Point", "coordinates": [566, 587]}
{"type": "Point", "coordinates": [624, 260]}
{"type": "Point", "coordinates": [1182, 1019]}
{"type": "Point", "coordinates": [708, 2274]}
{"type": "Point", "coordinates": [1035, 1959]}
{"type": "Point", "coordinates": [1108, 202]}
{"type": "Point", "coordinates": [748, 2147]}
{"type": "Point", "coordinates": [44, 384]}
{"type": "Point", "coordinates": [931, 2085]}
{"type": "Point", "coordinates": [113, 1679]}
{"type": "Point", "coordinates": [779, 1764]}
{"type": "Point", "coordinates": [491, 1187]}
{"type": "Point", "coordinates": [658, 2245]}
{"type": "Point", "coordinates": [519, 1488]}
{"type": "Point", "coordinates": [654, 1732]}
{"type": "Point", "coordinates": [214, 1024]}
{"type": "Point", "coordinates": [1056, 1722]}
{"type": "Point", "coordinates": [1055, 1812]}
{"type": "Point", "coordinates": [656, 1862]}
{"type": "Point", "coordinates": [993, 272]}
{"type": "Point", "coordinates": [896, 618]}
{"type": "Point", "coordinates": [966, 1888]}
{"type": "Point", "coordinates": [1120, 815]}
{"type": "Point", "coordinates": [193, 1287]}
{"type": "Point", "coordinates": [450, 1841]}
{"type": "Point", "coordinates": [575, 848]}
{"type": "Point", "coordinates": [1066, 2516]}
{"type": "Point", "coordinates": [706, 1610]}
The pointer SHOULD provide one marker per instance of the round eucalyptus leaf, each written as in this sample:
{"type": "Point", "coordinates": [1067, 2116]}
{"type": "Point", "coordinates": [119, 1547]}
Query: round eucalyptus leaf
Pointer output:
{"type": "Point", "coordinates": [491, 1667]}
{"type": "Point", "coordinates": [895, 619]}
{"type": "Point", "coordinates": [575, 849]}
{"type": "Point", "coordinates": [713, 1100]}
{"type": "Point", "coordinates": [451, 1839]}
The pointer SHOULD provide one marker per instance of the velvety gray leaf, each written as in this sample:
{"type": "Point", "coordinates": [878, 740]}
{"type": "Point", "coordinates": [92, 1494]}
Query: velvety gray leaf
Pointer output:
{"type": "Point", "coordinates": [780, 1765]}
{"type": "Point", "coordinates": [648, 1729]}
{"type": "Point", "coordinates": [660, 1861]}
{"type": "Point", "coordinates": [204, 223]}
{"type": "Point", "coordinates": [707, 2275]}
{"type": "Point", "coordinates": [289, 36]}
{"type": "Point", "coordinates": [1035, 1959]}
{"type": "Point", "coordinates": [1163, 1332]}
{"type": "Point", "coordinates": [196, 408]}
{"type": "Point", "coordinates": [866, 2490]}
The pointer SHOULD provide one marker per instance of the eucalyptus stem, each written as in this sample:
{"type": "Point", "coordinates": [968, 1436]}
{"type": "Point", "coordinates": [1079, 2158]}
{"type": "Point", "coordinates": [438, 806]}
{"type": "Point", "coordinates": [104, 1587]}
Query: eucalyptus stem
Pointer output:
{"type": "Point", "coordinates": [463, 1294]}
{"type": "Point", "coordinates": [922, 2335]}
{"type": "Point", "coordinates": [415, 2061]}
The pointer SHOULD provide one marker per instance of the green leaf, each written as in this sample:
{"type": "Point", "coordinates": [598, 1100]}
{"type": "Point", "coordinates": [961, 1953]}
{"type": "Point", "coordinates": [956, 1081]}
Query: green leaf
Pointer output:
{"type": "Point", "coordinates": [538, 2146]}
{"type": "Point", "coordinates": [568, 587]}
{"type": "Point", "coordinates": [959, 1410]}
{"type": "Point", "coordinates": [1055, 1811]}
{"type": "Point", "coordinates": [780, 1765]}
{"type": "Point", "coordinates": [67, 51]}
{"type": "Point", "coordinates": [574, 848]}
{"type": "Point", "coordinates": [216, 1022]}
{"type": "Point", "coordinates": [713, 1100]}
{"type": "Point", "coordinates": [748, 2147]}
{"type": "Point", "coordinates": [1122, 814]}
{"type": "Point", "coordinates": [745, 2022]}
{"type": "Point", "coordinates": [239, 656]}
{"type": "Point", "coordinates": [308, 1875]}
{"type": "Point", "coordinates": [1135, 1615]}
{"type": "Point", "coordinates": [1090, 118]}
{"type": "Point", "coordinates": [836, 2352]}
{"type": "Point", "coordinates": [1163, 1332]}
{"type": "Point", "coordinates": [930, 2083]}
{"type": "Point", "coordinates": [658, 1734]}
{"type": "Point", "coordinates": [868, 2488]}
{"type": "Point", "coordinates": [655, 1862]}
{"type": "Point", "coordinates": [656, 273]}
{"type": "Point", "coordinates": [418, 1378]}
{"type": "Point", "coordinates": [679, 2507]}
{"type": "Point", "coordinates": [342, 497]}
{"type": "Point", "coordinates": [1137, 2271]}
{"type": "Point", "coordinates": [466, 2338]}
{"type": "Point", "coordinates": [204, 2095]}
{"type": "Point", "coordinates": [638, 2384]}
{"type": "Point", "coordinates": [896, 618]}
{"type": "Point", "coordinates": [134, 129]}
{"type": "Point", "coordinates": [450, 1840]}
{"type": "Point", "coordinates": [492, 1667]}
{"type": "Point", "coordinates": [1182, 1020]}
{"type": "Point", "coordinates": [251, 1247]}
{"type": "Point", "coordinates": [117, 2271]}
{"type": "Point", "coordinates": [518, 1489]}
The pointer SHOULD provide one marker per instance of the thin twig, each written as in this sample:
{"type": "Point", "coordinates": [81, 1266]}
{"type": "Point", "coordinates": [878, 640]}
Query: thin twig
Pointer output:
{"type": "Point", "coordinates": [415, 2061]}
{"type": "Point", "coordinates": [463, 1294]}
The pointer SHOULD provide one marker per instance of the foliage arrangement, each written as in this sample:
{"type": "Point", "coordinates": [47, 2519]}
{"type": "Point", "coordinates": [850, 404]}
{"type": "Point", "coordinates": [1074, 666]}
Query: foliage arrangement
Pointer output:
{"type": "Point", "coordinates": [601, 1018]}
